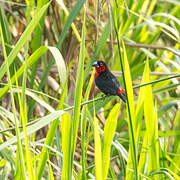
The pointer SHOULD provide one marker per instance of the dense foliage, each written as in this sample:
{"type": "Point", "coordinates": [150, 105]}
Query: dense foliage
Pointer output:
{"type": "Point", "coordinates": [55, 124]}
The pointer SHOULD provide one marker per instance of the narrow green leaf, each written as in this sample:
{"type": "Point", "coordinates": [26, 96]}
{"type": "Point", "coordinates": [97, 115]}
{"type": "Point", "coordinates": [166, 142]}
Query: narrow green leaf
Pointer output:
{"type": "Point", "coordinates": [98, 156]}
{"type": "Point", "coordinates": [78, 90]}
{"type": "Point", "coordinates": [66, 145]}
{"type": "Point", "coordinates": [38, 32]}
{"type": "Point", "coordinates": [139, 116]}
{"type": "Point", "coordinates": [19, 145]}
{"type": "Point", "coordinates": [84, 142]}
{"type": "Point", "coordinates": [151, 124]}
{"type": "Point", "coordinates": [5, 30]}
{"type": "Point", "coordinates": [60, 64]}
{"type": "Point", "coordinates": [23, 116]}
{"type": "Point", "coordinates": [143, 155]}
{"type": "Point", "coordinates": [50, 170]}
{"type": "Point", "coordinates": [132, 159]}
{"type": "Point", "coordinates": [109, 130]}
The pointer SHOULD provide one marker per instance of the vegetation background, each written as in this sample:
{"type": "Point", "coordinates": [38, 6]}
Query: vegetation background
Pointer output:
{"type": "Point", "coordinates": [55, 124]}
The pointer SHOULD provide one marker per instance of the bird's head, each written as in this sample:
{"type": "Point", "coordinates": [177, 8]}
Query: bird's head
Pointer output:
{"type": "Point", "coordinates": [100, 66]}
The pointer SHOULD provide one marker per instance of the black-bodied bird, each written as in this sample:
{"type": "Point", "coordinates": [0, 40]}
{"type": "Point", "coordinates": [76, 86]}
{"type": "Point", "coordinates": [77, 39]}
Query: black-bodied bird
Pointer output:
{"type": "Point", "coordinates": [106, 81]}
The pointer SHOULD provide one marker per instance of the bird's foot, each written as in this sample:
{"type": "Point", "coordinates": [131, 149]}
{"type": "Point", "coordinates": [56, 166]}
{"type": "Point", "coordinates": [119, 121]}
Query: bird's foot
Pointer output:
{"type": "Point", "coordinates": [103, 96]}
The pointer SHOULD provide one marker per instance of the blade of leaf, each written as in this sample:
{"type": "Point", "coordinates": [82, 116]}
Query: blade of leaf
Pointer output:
{"type": "Point", "coordinates": [132, 159]}
{"type": "Point", "coordinates": [60, 63]}
{"type": "Point", "coordinates": [150, 121]}
{"type": "Point", "coordinates": [78, 90]}
{"type": "Point", "coordinates": [98, 155]}
{"type": "Point", "coordinates": [109, 130]}
{"type": "Point", "coordinates": [66, 146]}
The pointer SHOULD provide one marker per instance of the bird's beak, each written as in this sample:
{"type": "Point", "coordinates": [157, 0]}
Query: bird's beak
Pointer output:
{"type": "Point", "coordinates": [95, 64]}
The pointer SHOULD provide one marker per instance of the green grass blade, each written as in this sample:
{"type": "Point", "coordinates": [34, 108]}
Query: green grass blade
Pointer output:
{"type": "Point", "coordinates": [23, 116]}
{"type": "Point", "coordinates": [5, 30]}
{"type": "Point", "coordinates": [109, 130]}
{"type": "Point", "coordinates": [143, 155]}
{"type": "Point", "coordinates": [98, 155]}
{"type": "Point", "coordinates": [60, 67]}
{"type": "Point", "coordinates": [151, 124]}
{"type": "Point", "coordinates": [132, 159]}
{"type": "Point", "coordinates": [60, 64]}
{"type": "Point", "coordinates": [51, 177]}
{"type": "Point", "coordinates": [176, 147]}
{"type": "Point", "coordinates": [38, 32]}
{"type": "Point", "coordinates": [139, 116]}
{"type": "Point", "coordinates": [66, 145]}
{"type": "Point", "coordinates": [84, 142]}
{"type": "Point", "coordinates": [139, 112]}
{"type": "Point", "coordinates": [78, 90]}
{"type": "Point", "coordinates": [19, 145]}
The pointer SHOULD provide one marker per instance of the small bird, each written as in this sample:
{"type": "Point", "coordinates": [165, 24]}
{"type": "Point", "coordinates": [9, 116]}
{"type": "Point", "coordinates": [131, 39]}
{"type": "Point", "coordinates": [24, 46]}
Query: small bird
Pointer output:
{"type": "Point", "coordinates": [106, 81]}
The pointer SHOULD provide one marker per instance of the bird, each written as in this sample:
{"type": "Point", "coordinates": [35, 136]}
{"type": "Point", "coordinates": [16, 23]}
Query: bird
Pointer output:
{"type": "Point", "coordinates": [106, 81]}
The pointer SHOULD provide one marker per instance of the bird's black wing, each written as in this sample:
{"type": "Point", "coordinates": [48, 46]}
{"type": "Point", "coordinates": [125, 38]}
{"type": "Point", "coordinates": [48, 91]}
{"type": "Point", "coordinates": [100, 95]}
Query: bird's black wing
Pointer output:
{"type": "Point", "coordinates": [114, 79]}
{"type": "Point", "coordinates": [107, 83]}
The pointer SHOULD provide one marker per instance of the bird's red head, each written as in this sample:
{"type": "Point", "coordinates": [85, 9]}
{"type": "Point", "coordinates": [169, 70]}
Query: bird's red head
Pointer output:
{"type": "Point", "coordinates": [100, 66]}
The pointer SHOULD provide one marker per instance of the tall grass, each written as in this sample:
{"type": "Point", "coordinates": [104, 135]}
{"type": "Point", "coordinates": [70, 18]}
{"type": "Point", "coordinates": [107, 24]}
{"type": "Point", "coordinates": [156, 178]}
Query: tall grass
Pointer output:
{"type": "Point", "coordinates": [54, 123]}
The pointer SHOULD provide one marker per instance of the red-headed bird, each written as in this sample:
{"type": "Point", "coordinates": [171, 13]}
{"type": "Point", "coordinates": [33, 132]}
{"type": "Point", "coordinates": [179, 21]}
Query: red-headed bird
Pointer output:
{"type": "Point", "coordinates": [106, 81]}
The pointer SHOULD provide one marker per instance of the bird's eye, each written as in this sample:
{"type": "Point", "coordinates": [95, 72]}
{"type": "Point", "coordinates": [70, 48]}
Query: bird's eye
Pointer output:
{"type": "Point", "coordinates": [101, 64]}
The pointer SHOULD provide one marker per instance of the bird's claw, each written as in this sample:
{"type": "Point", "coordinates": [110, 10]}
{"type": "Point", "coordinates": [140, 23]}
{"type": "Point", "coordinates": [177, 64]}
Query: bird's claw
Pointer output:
{"type": "Point", "coordinates": [103, 96]}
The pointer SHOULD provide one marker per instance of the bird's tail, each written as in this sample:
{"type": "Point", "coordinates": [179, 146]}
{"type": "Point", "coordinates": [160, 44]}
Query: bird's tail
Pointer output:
{"type": "Point", "coordinates": [121, 93]}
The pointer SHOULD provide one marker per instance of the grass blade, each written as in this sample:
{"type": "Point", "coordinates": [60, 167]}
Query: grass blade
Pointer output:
{"type": "Point", "coordinates": [23, 116]}
{"type": "Point", "coordinates": [60, 64]}
{"type": "Point", "coordinates": [84, 142]}
{"type": "Point", "coordinates": [109, 130]}
{"type": "Point", "coordinates": [151, 124]}
{"type": "Point", "coordinates": [66, 145]}
{"type": "Point", "coordinates": [19, 145]}
{"type": "Point", "coordinates": [98, 155]}
{"type": "Point", "coordinates": [78, 90]}
{"type": "Point", "coordinates": [132, 159]}
{"type": "Point", "coordinates": [5, 30]}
